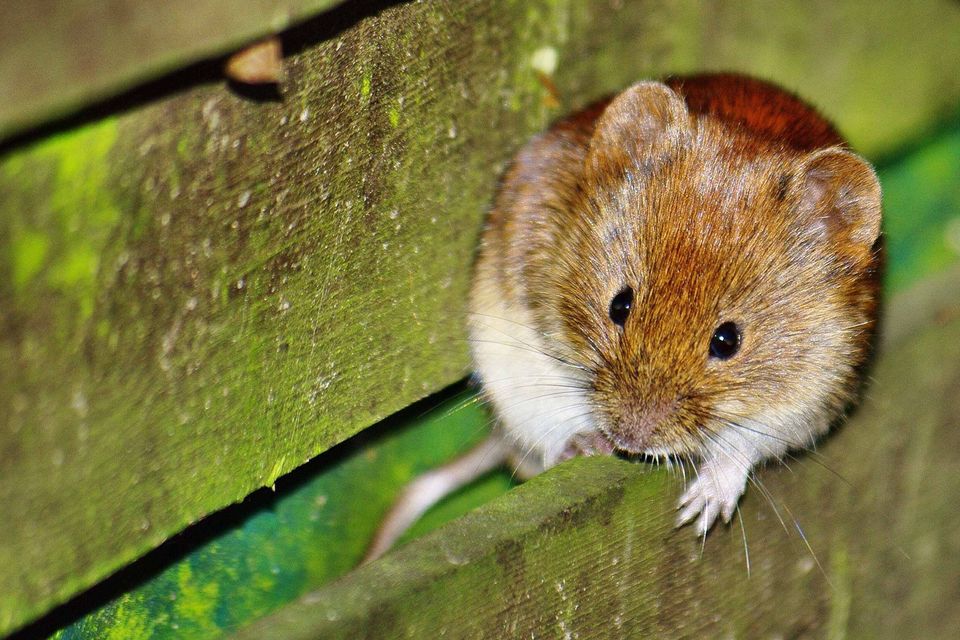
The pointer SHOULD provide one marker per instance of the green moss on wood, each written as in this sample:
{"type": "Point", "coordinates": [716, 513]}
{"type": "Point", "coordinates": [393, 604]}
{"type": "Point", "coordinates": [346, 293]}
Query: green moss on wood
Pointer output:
{"type": "Point", "coordinates": [57, 246]}
{"type": "Point", "coordinates": [306, 533]}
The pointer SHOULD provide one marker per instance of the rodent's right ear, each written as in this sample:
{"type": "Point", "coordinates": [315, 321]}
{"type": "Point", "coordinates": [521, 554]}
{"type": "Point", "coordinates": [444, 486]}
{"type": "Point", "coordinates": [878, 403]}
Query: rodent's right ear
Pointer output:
{"type": "Point", "coordinates": [643, 120]}
{"type": "Point", "coordinates": [839, 198]}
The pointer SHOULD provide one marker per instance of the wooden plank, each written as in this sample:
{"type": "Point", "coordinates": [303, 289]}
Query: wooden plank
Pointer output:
{"type": "Point", "coordinates": [854, 541]}
{"type": "Point", "coordinates": [203, 292]}
{"type": "Point", "coordinates": [58, 57]}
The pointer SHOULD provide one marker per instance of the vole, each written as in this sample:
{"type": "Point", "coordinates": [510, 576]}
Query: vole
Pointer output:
{"type": "Point", "coordinates": [689, 269]}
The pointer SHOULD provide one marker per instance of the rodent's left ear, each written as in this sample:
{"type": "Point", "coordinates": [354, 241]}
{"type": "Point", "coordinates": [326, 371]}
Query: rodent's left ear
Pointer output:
{"type": "Point", "coordinates": [643, 119]}
{"type": "Point", "coordinates": [840, 197]}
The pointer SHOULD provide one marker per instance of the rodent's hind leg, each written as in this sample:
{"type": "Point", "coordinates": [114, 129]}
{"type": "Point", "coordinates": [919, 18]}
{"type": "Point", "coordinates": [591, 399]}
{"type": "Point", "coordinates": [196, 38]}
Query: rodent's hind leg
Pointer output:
{"type": "Point", "coordinates": [714, 492]}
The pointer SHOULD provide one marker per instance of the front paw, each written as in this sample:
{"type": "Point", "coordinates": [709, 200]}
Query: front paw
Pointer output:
{"type": "Point", "coordinates": [715, 492]}
{"type": "Point", "coordinates": [590, 443]}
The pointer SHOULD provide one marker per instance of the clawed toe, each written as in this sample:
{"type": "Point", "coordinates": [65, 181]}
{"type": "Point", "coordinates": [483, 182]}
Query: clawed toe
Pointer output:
{"type": "Point", "coordinates": [714, 494]}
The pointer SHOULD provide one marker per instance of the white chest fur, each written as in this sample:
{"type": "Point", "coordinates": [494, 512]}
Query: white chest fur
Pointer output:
{"type": "Point", "coordinates": [539, 399]}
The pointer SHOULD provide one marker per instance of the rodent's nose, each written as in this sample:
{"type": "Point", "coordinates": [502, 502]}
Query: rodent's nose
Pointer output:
{"type": "Point", "coordinates": [636, 427]}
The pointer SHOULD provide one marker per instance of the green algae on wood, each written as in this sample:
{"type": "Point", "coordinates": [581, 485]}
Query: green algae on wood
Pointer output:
{"type": "Point", "coordinates": [58, 238]}
{"type": "Point", "coordinates": [311, 530]}
{"type": "Point", "coordinates": [272, 277]}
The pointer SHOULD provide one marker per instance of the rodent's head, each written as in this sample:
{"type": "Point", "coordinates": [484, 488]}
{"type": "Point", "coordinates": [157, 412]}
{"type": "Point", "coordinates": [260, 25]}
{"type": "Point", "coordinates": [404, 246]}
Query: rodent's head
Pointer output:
{"type": "Point", "coordinates": [711, 279]}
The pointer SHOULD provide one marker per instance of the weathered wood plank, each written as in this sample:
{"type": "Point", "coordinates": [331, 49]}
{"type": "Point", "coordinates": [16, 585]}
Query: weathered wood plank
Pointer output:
{"type": "Point", "coordinates": [57, 57]}
{"type": "Point", "coordinates": [855, 541]}
{"type": "Point", "coordinates": [202, 293]}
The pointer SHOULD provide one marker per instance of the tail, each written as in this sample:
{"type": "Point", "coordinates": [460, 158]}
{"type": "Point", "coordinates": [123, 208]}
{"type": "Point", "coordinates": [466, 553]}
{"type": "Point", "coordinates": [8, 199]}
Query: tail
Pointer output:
{"type": "Point", "coordinates": [428, 488]}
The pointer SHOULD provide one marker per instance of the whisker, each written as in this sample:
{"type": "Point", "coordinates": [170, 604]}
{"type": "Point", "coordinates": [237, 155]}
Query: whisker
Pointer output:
{"type": "Point", "coordinates": [475, 398]}
{"type": "Point", "coordinates": [524, 346]}
{"type": "Point", "coordinates": [683, 473]}
{"type": "Point", "coordinates": [554, 356]}
{"type": "Point", "coordinates": [540, 333]}
{"type": "Point", "coordinates": [696, 472]}
{"type": "Point", "coordinates": [536, 445]}
{"type": "Point", "coordinates": [810, 450]}
{"type": "Point", "coordinates": [720, 441]}
{"type": "Point", "coordinates": [512, 321]}
{"type": "Point", "coordinates": [560, 393]}
{"type": "Point", "coordinates": [746, 549]}
{"type": "Point", "coordinates": [806, 543]}
{"type": "Point", "coordinates": [735, 425]}
{"type": "Point", "coordinates": [541, 381]}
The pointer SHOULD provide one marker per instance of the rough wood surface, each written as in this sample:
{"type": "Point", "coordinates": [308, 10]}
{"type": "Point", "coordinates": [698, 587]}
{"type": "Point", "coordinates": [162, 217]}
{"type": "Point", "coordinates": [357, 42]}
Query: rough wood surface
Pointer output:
{"type": "Point", "coordinates": [59, 56]}
{"type": "Point", "coordinates": [203, 292]}
{"type": "Point", "coordinates": [855, 541]}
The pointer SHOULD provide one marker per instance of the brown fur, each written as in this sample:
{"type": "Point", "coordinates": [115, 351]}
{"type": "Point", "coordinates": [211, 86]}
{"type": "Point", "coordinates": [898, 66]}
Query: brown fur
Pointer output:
{"type": "Point", "coordinates": [748, 209]}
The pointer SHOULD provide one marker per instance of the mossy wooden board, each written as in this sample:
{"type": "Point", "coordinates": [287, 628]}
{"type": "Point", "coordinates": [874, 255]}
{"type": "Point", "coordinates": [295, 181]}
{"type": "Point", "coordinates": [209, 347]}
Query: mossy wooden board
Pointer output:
{"type": "Point", "coordinates": [279, 543]}
{"type": "Point", "coordinates": [203, 291]}
{"type": "Point", "coordinates": [61, 56]}
{"type": "Point", "coordinates": [316, 523]}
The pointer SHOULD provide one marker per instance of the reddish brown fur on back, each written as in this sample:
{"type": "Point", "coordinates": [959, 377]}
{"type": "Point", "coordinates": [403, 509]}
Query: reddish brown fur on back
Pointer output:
{"type": "Point", "coordinates": [768, 111]}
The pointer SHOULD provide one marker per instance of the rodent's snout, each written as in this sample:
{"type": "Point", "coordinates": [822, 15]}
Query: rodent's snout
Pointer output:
{"type": "Point", "coordinates": [639, 424]}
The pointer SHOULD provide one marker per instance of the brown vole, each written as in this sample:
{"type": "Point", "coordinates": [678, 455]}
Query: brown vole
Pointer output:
{"type": "Point", "coordinates": [689, 269]}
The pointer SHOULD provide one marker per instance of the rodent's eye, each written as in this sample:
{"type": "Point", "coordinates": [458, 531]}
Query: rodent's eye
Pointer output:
{"type": "Point", "coordinates": [725, 341]}
{"type": "Point", "coordinates": [620, 306]}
